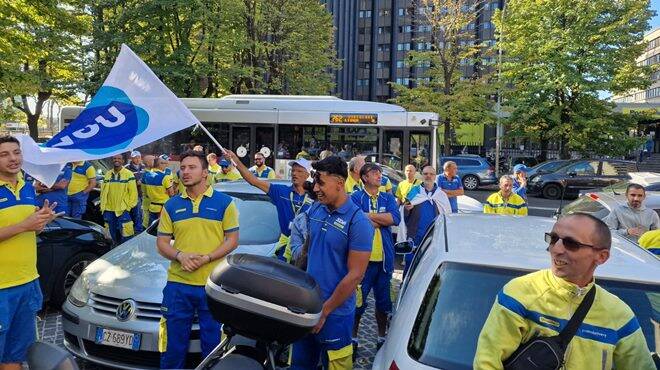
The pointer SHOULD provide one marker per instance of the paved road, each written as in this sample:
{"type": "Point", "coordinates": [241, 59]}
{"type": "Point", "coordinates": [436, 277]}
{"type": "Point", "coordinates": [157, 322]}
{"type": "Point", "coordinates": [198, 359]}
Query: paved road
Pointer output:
{"type": "Point", "coordinates": [537, 206]}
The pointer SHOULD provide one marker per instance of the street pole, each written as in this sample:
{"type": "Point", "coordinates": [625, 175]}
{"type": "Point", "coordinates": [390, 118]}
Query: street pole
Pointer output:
{"type": "Point", "coordinates": [498, 131]}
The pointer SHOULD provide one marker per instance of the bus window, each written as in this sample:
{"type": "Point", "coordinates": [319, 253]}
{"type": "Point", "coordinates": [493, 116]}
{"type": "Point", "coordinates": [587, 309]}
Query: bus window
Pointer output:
{"type": "Point", "coordinates": [265, 138]}
{"type": "Point", "coordinates": [241, 138]}
{"type": "Point", "coordinates": [363, 140]}
{"type": "Point", "coordinates": [392, 149]}
{"type": "Point", "coordinates": [420, 147]}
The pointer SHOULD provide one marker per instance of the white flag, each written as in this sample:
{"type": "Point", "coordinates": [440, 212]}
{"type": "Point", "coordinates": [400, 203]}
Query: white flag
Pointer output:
{"type": "Point", "coordinates": [132, 108]}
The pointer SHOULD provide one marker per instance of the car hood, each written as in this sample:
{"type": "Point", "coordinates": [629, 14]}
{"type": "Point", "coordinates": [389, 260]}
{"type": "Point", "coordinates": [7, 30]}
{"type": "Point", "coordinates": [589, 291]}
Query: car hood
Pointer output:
{"type": "Point", "coordinates": [135, 270]}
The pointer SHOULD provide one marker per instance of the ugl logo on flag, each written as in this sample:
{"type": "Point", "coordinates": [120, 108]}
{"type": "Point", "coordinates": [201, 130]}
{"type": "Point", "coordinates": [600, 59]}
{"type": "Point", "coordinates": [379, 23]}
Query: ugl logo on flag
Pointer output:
{"type": "Point", "coordinates": [110, 122]}
{"type": "Point", "coordinates": [131, 109]}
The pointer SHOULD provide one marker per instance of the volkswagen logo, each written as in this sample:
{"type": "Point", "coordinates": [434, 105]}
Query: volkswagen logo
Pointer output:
{"type": "Point", "coordinates": [126, 310]}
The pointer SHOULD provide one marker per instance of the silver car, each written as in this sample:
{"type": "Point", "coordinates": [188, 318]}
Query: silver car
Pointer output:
{"type": "Point", "coordinates": [463, 263]}
{"type": "Point", "coordinates": [601, 203]}
{"type": "Point", "coordinates": [112, 314]}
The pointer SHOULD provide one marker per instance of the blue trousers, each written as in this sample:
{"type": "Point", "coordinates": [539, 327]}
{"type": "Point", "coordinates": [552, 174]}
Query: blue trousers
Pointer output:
{"type": "Point", "coordinates": [18, 320]}
{"type": "Point", "coordinates": [180, 303]}
{"type": "Point", "coordinates": [120, 227]}
{"type": "Point", "coordinates": [375, 277]}
{"type": "Point", "coordinates": [332, 345]}
{"type": "Point", "coordinates": [77, 205]}
{"type": "Point", "coordinates": [136, 216]}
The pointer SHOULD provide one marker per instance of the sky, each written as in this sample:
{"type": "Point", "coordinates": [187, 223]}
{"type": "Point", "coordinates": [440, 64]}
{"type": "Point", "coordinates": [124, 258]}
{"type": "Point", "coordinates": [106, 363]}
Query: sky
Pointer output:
{"type": "Point", "coordinates": [655, 21]}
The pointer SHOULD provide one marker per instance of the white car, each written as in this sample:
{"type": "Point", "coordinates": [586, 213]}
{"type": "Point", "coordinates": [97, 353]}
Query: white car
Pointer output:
{"type": "Point", "coordinates": [112, 313]}
{"type": "Point", "coordinates": [463, 263]}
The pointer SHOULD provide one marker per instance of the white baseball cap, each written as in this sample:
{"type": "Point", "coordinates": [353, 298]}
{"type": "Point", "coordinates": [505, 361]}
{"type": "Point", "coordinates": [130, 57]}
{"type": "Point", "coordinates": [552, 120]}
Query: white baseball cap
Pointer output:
{"type": "Point", "coordinates": [135, 153]}
{"type": "Point", "coordinates": [302, 162]}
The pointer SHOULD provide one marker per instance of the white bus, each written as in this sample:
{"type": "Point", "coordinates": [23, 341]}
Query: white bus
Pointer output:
{"type": "Point", "coordinates": [281, 126]}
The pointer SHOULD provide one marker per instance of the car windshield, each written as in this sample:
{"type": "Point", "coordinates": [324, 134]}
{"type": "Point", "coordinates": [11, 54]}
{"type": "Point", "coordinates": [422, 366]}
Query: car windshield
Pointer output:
{"type": "Point", "coordinates": [449, 321]}
{"type": "Point", "coordinates": [550, 166]}
{"type": "Point", "coordinates": [586, 204]}
{"type": "Point", "coordinates": [257, 219]}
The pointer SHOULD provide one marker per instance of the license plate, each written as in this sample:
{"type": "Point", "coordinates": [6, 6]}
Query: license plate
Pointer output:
{"type": "Point", "coordinates": [117, 338]}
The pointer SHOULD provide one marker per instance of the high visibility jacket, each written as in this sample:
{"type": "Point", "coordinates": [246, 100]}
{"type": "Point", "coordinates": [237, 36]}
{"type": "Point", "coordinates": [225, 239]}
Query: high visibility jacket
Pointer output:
{"type": "Point", "coordinates": [541, 304]}
{"type": "Point", "coordinates": [119, 191]}
{"type": "Point", "coordinates": [515, 205]}
{"type": "Point", "coordinates": [651, 240]}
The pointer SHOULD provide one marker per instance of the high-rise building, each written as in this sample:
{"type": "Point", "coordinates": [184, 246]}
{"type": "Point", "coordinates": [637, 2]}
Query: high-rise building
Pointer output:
{"type": "Point", "coordinates": [373, 38]}
{"type": "Point", "coordinates": [650, 57]}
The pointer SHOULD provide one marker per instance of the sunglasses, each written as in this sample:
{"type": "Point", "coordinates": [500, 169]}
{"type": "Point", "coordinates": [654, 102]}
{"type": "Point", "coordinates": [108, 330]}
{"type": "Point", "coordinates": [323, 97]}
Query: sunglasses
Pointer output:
{"type": "Point", "coordinates": [568, 242]}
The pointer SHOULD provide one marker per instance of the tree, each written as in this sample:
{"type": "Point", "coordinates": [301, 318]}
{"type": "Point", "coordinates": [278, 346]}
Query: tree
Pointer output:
{"type": "Point", "coordinates": [443, 88]}
{"type": "Point", "coordinates": [40, 53]}
{"type": "Point", "coordinates": [205, 48]}
{"type": "Point", "coordinates": [558, 56]}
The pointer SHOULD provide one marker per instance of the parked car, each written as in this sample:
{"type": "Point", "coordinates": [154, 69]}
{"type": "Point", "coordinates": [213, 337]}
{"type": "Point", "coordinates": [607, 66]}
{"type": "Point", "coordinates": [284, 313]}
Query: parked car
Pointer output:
{"type": "Point", "coordinates": [600, 204]}
{"type": "Point", "coordinates": [546, 167]}
{"type": "Point", "coordinates": [584, 174]}
{"type": "Point", "coordinates": [461, 265]}
{"type": "Point", "coordinates": [134, 275]}
{"type": "Point", "coordinates": [473, 170]}
{"type": "Point", "coordinates": [64, 248]}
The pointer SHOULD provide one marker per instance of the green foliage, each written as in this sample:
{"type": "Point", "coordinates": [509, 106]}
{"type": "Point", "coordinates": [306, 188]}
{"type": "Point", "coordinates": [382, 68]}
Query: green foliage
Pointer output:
{"type": "Point", "coordinates": [443, 88]}
{"type": "Point", "coordinates": [39, 53]}
{"type": "Point", "coordinates": [213, 47]}
{"type": "Point", "coordinates": [558, 55]}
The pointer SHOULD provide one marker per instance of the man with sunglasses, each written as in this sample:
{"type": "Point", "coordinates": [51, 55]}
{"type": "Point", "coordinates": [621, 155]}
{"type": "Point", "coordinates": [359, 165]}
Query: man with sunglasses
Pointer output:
{"type": "Point", "coordinates": [633, 219]}
{"type": "Point", "coordinates": [541, 303]}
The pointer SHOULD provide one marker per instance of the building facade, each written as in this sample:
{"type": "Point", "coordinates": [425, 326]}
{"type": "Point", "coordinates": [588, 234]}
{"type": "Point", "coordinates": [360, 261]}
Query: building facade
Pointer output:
{"type": "Point", "coordinates": [651, 56]}
{"type": "Point", "coordinates": [374, 37]}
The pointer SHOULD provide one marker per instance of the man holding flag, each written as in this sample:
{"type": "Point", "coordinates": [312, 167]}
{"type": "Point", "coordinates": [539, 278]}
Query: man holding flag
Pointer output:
{"type": "Point", "coordinates": [118, 197]}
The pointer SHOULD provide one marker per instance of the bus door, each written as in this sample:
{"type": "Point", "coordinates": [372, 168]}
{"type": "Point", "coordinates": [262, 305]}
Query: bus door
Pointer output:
{"type": "Point", "coordinates": [392, 152]}
{"type": "Point", "coordinates": [252, 139]}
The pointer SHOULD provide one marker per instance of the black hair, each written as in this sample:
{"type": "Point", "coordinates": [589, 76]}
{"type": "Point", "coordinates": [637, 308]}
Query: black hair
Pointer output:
{"type": "Point", "coordinates": [333, 165]}
{"type": "Point", "coordinates": [9, 139]}
{"type": "Point", "coordinates": [309, 188]}
{"type": "Point", "coordinates": [368, 167]}
{"type": "Point", "coordinates": [602, 234]}
{"type": "Point", "coordinates": [197, 154]}
{"type": "Point", "coordinates": [635, 186]}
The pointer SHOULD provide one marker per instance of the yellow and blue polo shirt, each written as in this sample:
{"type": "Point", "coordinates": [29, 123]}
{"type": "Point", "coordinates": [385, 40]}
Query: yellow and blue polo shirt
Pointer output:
{"type": "Point", "coordinates": [18, 254]}
{"type": "Point", "coordinates": [119, 191]}
{"type": "Point", "coordinates": [352, 186]}
{"type": "Point", "coordinates": [156, 183]}
{"type": "Point", "coordinates": [333, 234]}
{"type": "Point", "coordinates": [541, 304]}
{"type": "Point", "coordinates": [232, 175]}
{"type": "Point", "coordinates": [383, 243]}
{"type": "Point", "coordinates": [263, 172]}
{"type": "Point", "coordinates": [214, 169]}
{"type": "Point", "coordinates": [650, 240]}
{"type": "Point", "coordinates": [404, 188]}
{"type": "Point", "coordinates": [515, 205]}
{"type": "Point", "coordinates": [81, 173]}
{"type": "Point", "coordinates": [198, 226]}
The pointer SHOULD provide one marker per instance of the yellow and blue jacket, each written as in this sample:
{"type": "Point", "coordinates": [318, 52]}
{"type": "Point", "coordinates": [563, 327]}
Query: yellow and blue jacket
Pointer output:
{"type": "Point", "coordinates": [650, 240]}
{"type": "Point", "coordinates": [515, 205]}
{"type": "Point", "coordinates": [541, 304]}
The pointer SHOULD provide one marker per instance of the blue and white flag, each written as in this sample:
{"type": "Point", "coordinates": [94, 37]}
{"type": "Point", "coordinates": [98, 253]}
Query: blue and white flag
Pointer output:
{"type": "Point", "coordinates": [418, 195]}
{"type": "Point", "coordinates": [132, 108]}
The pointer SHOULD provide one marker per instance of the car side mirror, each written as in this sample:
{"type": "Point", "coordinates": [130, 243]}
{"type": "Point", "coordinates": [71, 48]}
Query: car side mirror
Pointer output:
{"type": "Point", "coordinates": [48, 356]}
{"type": "Point", "coordinates": [404, 247]}
{"type": "Point", "coordinates": [572, 174]}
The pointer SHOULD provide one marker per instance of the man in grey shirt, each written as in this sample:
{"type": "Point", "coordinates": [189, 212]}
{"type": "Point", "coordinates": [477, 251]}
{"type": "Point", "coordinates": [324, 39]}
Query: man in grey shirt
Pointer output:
{"type": "Point", "coordinates": [633, 219]}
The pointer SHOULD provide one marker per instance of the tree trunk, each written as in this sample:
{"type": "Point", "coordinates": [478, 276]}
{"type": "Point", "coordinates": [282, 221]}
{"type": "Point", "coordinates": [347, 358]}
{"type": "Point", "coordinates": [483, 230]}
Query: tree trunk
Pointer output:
{"type": "Point", "coordinates": [447, 141]}
{"type": "Point", "coordinates": [564, 119]}
{"type": "Point", "coordinates": [544, 150]}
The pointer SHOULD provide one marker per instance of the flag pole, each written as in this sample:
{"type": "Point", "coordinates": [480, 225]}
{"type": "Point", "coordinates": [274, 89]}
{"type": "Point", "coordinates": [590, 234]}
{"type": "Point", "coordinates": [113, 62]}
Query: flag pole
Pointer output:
{"type": "Point", "coordinates": [211, 136]}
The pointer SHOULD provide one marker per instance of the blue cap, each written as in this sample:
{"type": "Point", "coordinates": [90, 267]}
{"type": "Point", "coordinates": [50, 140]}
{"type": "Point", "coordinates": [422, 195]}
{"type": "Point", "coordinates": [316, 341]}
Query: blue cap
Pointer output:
{"type": "Point", "coordinates": [520, 168]}
{"type": "Point", "coordinates": [224, 163]}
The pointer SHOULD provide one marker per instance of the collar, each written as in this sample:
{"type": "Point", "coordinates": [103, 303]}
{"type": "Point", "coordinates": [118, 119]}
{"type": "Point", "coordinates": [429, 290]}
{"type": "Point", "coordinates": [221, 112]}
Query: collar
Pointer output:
{"type": "Point", "coordinates": [262, 168]}
{"type": "Point", "coordinates": [343, 209]}
{"type": "Point", "coordinates": [19, 184]}
{"type": "Point", "coordinates": [207, 193]}
{"type": "Point", "coordinates": [565, 288]}
{"type": "Point", "coordinates": [447, 176]}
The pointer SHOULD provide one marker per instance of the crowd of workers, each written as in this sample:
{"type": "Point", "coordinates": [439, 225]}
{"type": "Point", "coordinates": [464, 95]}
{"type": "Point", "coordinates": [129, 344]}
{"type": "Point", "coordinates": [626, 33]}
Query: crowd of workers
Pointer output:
{"type": "Point", "coordinates": [339, 224]}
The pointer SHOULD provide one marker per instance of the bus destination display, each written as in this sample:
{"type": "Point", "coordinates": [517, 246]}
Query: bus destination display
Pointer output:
{"type": "Point", "coordinates": [354, 118]}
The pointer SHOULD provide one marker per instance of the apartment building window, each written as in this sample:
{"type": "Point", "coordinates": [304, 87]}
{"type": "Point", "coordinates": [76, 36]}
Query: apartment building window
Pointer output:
{"type": "Point", "coordinates": [403, 81]}
{"type": "Point", "coordinates": [363, 82]}
{"type": "Point", "coordinates": [405, 29]}
{"type": "Point", "coordinates": [424, 46]}
{"type": "Point", "coordinates": [383, 47]}
{"type": "Point", "coordinates": [488, 25]}
{"type": "Point", "coordinates": [653, 93]}
{"type": "Point", "coordinates": [360, 47]}
{"type": "Point", "coordinates": [400, 64]}
{"type": "Point", "coordinates": [382, 81]}
{"type": "Point", "coordinates": [471, 26]}
{"type": "Point", "coordinates": [384, 12]}
{"type": "Point", "coordinates": [362, 30]}
{"type": "Point", "coordinates": [653, 44]}
{"type": "Point", "coordinates": [386, 30]}
{"type": "Point", "coordinates": [424, 28]}
{"type": "Point", "coordinates": [403, 47]}
{"type": "Point", "coordinates": [380, 65]}
{"type": "Point", "coordinates": [494, 5]}
{"type": "Point", "coordinates": [364, 14]}
{"type": "Point", "coordinates": [364, 65]}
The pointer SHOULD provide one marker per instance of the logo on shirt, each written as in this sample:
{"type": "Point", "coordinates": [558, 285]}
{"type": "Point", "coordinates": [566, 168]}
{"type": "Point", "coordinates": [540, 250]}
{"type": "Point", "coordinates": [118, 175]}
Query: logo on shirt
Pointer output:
{"type": "Point", "coordinates": [180, 210]}
{"type": "Point", "coordinates": [381, 209]}
{"type": "Point", "coordinates": [339, 223]}
{"type": "Point", "coordinates": [211, 209]}
{"type": "Point", "coordinates": [3, 199]}
{"type": "Point", "coordinates": [548, 321]}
